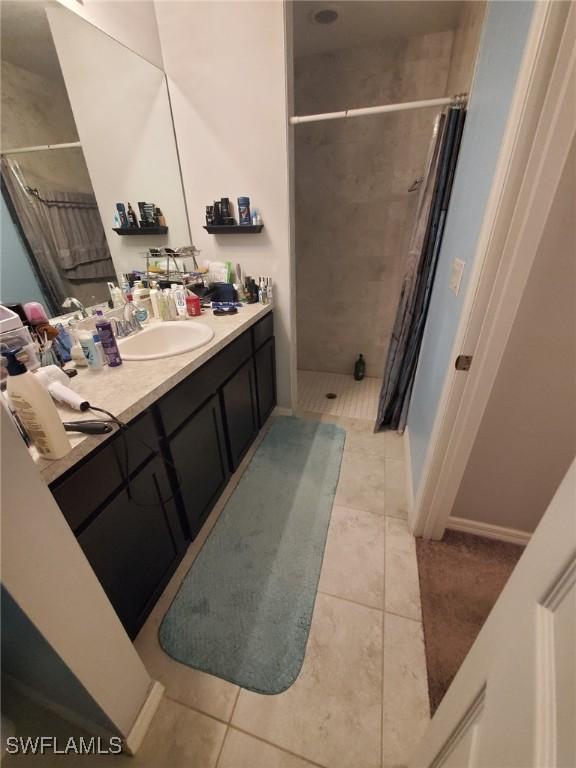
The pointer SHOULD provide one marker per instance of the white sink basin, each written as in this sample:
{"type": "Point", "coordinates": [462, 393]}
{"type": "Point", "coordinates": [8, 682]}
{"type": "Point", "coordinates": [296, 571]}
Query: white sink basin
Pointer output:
{"type": "Point", "coordinates": [164, 339]}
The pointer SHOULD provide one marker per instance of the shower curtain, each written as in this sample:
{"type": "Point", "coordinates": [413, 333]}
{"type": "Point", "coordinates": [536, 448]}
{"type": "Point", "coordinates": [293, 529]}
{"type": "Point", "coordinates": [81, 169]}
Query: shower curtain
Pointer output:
{"type": "Point", "coordinates": [418, 280]}
{"type": "Point", "coordinates": [64, 232]}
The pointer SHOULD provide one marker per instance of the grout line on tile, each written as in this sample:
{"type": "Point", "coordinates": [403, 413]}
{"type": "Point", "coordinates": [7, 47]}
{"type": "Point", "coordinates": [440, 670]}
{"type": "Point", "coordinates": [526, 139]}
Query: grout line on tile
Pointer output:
{"type": "Point", "coordinates": [234, 705]}
{"type": "Point", "coordinates": [349, 600]}
{"type": "Point", "coordinates": [369, 511]}
{"type": "Point", "coordinates": [276, 746]}
{"type": "Point", "coordinates": [217, 763]}
{"type": "Point", "coordinates": [196, 709]}
{"type": "Point", "coordinates": [401, 616]}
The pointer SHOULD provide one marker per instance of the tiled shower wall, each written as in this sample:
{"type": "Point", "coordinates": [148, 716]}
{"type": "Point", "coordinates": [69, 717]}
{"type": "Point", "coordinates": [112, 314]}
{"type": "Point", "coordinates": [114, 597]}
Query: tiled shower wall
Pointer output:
{"type": "Point", "coordinates": [354, 213]}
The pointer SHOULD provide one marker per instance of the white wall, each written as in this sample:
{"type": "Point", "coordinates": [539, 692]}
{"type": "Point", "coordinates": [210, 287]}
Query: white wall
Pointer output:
{"type": "Point", "coordinates": [120, 104]}
{"type": "Point", "coordinates": [527, 438]}
{"type": "Point", "coordinates": [226, 67]}
{"type": "Point", "coordinates": [132, 23]}
{"type": "Point", "coordinates": [48, 576]}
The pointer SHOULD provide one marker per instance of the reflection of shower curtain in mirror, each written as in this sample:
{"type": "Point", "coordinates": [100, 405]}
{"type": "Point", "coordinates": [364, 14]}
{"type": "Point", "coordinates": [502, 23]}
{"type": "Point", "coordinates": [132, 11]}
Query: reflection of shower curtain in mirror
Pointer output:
{"type": "Point", "coordinates": [64, 231]}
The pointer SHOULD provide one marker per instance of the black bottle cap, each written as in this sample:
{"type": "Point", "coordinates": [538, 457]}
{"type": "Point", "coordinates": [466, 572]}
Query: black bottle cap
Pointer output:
{"type": "Point", "coordinates": [15, 367]}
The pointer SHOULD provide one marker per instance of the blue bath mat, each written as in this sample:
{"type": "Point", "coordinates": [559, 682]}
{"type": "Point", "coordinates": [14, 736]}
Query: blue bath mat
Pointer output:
{"type": "Point", "coordinates": [243, 612]}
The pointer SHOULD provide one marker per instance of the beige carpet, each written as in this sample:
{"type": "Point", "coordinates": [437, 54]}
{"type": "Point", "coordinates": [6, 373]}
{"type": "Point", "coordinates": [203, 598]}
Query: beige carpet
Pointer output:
{"type": "Point", "coordinates": [460, 580]}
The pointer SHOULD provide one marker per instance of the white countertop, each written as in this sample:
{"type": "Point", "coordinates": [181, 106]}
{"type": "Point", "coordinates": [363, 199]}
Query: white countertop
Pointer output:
{"type": "Point", "coordinates": [133, 386]}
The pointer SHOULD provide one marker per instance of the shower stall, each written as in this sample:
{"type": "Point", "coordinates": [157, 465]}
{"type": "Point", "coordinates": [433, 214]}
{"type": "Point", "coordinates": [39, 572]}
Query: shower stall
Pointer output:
{"type": "Point", "coordinates": [366, 97]}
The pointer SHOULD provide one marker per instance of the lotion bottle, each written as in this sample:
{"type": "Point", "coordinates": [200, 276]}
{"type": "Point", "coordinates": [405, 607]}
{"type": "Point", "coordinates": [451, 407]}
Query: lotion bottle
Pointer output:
{"type": "Point", "coordinates": [90, 350]}
{"type": "Point", "coordinates": [76, 352]}
{"type": "Point", "coordinates": [179, 297]}
{"type": "Point", "coordinates": [35, 408]}
{"type": "Point", "coordinates": [154, 301]}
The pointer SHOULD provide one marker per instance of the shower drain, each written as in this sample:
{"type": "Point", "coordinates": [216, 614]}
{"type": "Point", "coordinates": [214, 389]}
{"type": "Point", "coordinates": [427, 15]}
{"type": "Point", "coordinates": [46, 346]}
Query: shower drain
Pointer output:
{"type": "Point", "coordinates": [331, 395]}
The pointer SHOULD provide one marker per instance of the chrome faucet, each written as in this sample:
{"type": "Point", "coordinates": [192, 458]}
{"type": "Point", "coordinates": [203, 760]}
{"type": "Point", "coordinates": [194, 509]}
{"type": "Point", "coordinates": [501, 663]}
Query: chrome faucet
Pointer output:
{"type": "Point", "coordinates": [131, 317]}
{"type": "Point", "coordinates": [70, 302]}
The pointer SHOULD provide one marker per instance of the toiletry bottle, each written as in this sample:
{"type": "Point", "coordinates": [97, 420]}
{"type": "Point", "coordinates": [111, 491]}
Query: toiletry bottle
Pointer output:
{"type": "Point", "coordinates": [269, 289]}
{"type": "Point", "coordinates": [35, 409]}
{"type": "Point", "coordinates": [124, 223]}
{"type": "Point", "coordinates": [99, 348]}
{"type": "Point", "coordinates": [179, 296]}
{"type": "Point", "coordinates": [244, 210]}
{"type": "Point", "coordinates": [141, 296]}
{"type": "Point", "coordinates": [132, 220]}
{"type": "Point", "coordinates": [154, 301]}
{"type": "Point", "coordinates": [86, 340]}
{"type": "Point", "coordinates": [108, 340]}
{"type": "Point", "coordinates": [162, 306]}
{"type": "Point", "coordinates": [143, 214]}
{"type": "Point", "coordinates": [193, 305]}
{"type": "Point", "coordinates": [136, 314]}
{"type": "Point", "coordinates": [359, 368]}
{"type": "Point", "coordinates": [171, 313]}
{"type": "Point", "coordinates": [76, 353]}
{"type": "Point", "coordinates": [116, 295]}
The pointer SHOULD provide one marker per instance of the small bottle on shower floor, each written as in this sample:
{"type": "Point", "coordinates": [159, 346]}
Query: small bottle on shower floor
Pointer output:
{"type": "Point", "coordinates": [359, 368]}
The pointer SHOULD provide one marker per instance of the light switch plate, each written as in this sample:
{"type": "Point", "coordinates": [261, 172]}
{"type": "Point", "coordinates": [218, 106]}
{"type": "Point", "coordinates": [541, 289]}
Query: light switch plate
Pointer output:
{"type": "Point", "coordinates": [456, 275]}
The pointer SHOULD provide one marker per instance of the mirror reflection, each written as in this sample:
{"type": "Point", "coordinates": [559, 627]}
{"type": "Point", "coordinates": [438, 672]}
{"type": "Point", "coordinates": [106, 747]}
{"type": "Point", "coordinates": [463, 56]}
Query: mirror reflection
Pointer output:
{"type": "Point", "coordinates": [86, 125]}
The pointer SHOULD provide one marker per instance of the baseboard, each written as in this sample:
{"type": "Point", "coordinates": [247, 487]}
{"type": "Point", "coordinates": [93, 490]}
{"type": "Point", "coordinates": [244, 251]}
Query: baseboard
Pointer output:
{"type": "Point", "coordinates": [489, 531]}
{"type": "Point", "coordinates": [409, 478]}
{"type": "Point", "coordinates": [281, 411]}
{"type": "Point", "coordinates": [140, 727]}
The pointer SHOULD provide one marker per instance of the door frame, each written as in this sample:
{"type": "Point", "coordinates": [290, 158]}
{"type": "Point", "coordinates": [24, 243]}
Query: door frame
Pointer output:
{"type": "Point", "coordinates": [538, 135]}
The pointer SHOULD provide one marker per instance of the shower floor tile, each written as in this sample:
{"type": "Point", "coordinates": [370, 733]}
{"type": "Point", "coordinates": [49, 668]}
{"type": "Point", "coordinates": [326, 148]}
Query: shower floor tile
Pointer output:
{"type": "Point", "coordinates": [355, 399]}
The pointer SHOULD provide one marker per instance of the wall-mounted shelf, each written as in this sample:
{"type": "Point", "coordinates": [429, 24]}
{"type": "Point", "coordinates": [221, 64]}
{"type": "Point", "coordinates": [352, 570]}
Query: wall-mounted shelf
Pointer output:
{"type": "Point", "coordinates": [235, 229]}
{"type": "Point", "coordinates": [140, 230]}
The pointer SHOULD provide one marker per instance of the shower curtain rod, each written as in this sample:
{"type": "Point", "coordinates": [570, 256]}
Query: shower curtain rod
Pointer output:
{"type": "Point", "coordinates": [41, 148]}
{"type": "Point", "coordinates": [362, 111]}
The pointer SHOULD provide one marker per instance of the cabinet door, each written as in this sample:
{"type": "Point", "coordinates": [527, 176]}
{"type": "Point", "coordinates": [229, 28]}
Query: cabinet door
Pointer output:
{"type": "Point", "coordinates": [240, 409]}
{"type": "Point", "coordinates": [198, 454]}
{"type": "Point", "coordinates": [134, 545]}
{"type": "Point", "coordinates": [265, 360]}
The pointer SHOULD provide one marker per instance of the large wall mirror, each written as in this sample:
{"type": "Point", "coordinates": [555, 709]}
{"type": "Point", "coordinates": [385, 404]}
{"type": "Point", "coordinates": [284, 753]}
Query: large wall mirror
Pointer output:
{"type": "Point", "coordinates": [67, 83]}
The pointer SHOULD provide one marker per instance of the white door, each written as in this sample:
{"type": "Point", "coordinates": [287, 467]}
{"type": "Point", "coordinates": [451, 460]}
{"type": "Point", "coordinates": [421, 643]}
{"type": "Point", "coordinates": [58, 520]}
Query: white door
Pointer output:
{"type": "Point", "coordinates": [513, 701]}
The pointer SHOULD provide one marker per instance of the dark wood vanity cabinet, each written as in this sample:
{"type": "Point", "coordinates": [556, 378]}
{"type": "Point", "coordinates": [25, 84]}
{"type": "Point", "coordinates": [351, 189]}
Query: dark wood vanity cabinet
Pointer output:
{"type": "Point", "coordinates": [199, 464]}
{"type": "Point", "coordinates": [265, 363]}
{"type": "Point", "coordinates": [240, 410]}
{"type": "Point", "coordinates": [138, 500]}
{"type": "Point", "coordinates": [135, 543]}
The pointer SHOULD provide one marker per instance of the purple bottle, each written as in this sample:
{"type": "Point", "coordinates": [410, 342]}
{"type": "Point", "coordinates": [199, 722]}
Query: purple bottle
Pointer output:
{"type": "Point", "coordinates": [104, 328]}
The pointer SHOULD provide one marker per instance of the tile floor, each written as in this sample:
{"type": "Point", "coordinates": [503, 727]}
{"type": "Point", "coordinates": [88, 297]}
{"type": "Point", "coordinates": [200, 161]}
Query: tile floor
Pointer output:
{"type": "Point", "coordinates": [356, 399]}
{"type": "Point", "coordinates": [361, 698]}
